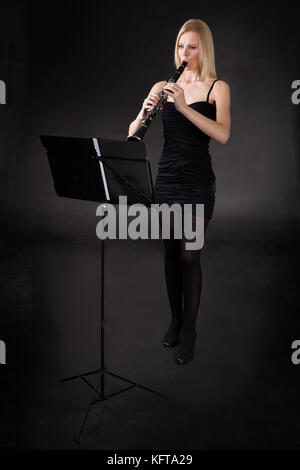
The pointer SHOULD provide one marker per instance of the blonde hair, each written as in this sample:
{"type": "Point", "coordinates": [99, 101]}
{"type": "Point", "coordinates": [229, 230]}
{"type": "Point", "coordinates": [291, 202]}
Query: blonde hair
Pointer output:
{"type": "Point", "coordinates": [207, 67]}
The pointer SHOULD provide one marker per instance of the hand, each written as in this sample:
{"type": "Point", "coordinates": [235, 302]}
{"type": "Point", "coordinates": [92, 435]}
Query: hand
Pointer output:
{"type": "Point", "coordinates": [177, 93]}
{"type": "Point", "coordinates": [151, 100]}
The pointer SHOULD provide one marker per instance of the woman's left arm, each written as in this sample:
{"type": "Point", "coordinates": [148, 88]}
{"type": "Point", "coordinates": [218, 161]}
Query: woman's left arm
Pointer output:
{"type": "Point", "coordinates": [219, 129]}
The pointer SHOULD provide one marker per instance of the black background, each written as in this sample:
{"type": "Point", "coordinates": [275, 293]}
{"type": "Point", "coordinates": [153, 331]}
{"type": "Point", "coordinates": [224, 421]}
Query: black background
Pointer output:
{"type": "Point", "coordinates": [83, 68]}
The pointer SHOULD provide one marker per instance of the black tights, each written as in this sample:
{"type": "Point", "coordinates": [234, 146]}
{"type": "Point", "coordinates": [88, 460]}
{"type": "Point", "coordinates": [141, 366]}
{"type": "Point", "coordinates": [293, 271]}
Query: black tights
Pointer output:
{"type": "Point", "coordinates": [183, 276]}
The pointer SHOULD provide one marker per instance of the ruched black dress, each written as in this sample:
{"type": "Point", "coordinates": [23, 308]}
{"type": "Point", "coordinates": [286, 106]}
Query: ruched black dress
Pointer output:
{"type": "Point", "coordinates": [185, 173]}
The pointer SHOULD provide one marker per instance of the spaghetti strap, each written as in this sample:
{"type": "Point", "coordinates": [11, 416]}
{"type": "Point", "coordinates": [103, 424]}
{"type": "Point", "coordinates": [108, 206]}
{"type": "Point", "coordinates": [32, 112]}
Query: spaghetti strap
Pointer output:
{"type": "Point", "coordinates": [211, 88]}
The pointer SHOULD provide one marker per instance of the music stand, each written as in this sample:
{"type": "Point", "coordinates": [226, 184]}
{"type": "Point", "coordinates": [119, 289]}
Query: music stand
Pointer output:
{"type": "Point", "coordinates": [98, 169]}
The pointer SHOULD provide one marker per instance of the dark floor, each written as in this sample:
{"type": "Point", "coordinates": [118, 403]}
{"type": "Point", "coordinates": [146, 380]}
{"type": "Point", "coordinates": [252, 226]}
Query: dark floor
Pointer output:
{"type": "Point", "coordinates": [241, 391]}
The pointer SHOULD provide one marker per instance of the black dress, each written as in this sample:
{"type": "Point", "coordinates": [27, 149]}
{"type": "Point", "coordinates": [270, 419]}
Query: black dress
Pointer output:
{"type": "Point", "coordinates": [185, 173]}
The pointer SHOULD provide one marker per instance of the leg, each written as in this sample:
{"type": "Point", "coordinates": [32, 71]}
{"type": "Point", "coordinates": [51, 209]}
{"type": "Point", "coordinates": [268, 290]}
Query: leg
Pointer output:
{"type": "Point", "coordinates": [173, 278]}
{"type": "Point", "coordinates": [192, 286]}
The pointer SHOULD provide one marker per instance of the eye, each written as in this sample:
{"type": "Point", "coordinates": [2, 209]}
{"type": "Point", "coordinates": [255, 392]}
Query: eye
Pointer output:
{"type": "Point", "coordinates": [191, 47]}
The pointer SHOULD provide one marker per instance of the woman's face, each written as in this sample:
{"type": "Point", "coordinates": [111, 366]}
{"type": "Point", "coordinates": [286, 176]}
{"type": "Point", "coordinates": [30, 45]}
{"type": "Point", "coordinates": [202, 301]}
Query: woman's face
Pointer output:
{"type": "Point", "coordinates": [188, 49]}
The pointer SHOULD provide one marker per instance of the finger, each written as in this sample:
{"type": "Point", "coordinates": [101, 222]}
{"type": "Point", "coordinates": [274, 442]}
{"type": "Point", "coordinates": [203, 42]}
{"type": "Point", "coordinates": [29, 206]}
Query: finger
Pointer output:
{"type": "Point", "coordinates": [170, 85]}
{"type": "Point", "coordinates": [154, 97]}
{"type": "Point", "coordinates": [150, 104]}
{"type": "Point", "coordinates": [153, 100]}
{"type": "Point", "coordinates": [150, 101]}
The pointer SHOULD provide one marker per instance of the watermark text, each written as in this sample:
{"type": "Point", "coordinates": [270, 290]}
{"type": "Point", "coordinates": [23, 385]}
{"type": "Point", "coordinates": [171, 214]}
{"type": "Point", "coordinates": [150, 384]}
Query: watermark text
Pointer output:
{"type": "Point", "coordinates": [2, 352]}
{"type": "Point", "coordinates": [295, 358]}
{"type": "Point", "coordinates": [296, 94]}
{"type": "Point", "coordinates": [176, 221]}
{"type": "Point", "coordinates": [2, 92]}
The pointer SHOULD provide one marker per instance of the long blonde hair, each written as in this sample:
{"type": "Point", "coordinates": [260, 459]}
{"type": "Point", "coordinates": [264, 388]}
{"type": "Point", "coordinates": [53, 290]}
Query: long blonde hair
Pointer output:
{"type": "Point", "coordinates": [207, 67]}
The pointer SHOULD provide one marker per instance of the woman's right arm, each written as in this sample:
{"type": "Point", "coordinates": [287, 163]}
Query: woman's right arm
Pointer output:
{"type": "Point", "coordinates": [151, 100]}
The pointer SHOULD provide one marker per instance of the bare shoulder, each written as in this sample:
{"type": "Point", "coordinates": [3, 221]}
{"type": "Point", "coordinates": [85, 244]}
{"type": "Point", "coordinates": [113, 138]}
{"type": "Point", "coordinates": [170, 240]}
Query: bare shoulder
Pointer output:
{"type": "Point", "coordinates": [158, 86]}
{"type": "Point", "coordinates": [221, 87]}
{"type": "Point", "coordinates": [221, 92]}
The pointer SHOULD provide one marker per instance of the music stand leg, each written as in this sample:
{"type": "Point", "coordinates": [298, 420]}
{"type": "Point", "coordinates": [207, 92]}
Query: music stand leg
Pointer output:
{"type": "Point", "coordinates": [102, 371]}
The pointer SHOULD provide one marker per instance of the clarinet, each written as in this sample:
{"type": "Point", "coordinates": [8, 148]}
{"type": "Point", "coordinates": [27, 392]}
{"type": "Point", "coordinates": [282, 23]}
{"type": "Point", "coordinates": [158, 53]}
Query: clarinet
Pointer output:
{"type": "Point", "coordinates": [140, 133]}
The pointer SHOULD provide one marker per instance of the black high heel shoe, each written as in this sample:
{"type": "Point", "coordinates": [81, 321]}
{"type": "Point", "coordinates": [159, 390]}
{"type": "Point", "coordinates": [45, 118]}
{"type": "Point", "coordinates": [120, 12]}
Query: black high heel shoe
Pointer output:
{"type": "Point", "coordinates": [185, 352]}
{"type": "Point", "coordinates": [172, 336]}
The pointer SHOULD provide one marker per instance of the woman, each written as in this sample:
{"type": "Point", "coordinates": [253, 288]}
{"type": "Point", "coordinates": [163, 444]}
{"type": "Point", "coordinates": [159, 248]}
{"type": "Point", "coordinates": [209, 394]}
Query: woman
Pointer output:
{"type": "Point", "coordinates": [197, 109]}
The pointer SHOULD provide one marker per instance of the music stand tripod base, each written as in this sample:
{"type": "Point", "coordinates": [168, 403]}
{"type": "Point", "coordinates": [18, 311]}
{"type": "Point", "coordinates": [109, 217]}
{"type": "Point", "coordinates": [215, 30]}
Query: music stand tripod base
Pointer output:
{"type": "Point", "coordinates": [102, 371]}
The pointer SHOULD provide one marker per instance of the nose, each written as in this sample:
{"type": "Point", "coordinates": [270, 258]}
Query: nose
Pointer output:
{"type": "Point", "coordinates": [185, 52]}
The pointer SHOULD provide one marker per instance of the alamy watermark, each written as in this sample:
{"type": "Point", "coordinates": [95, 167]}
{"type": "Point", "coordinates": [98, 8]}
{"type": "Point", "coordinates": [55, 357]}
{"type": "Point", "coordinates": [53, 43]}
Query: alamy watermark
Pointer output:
{"type": "Point", "coordinates": [2, 352]}
{"type": "Point", "coordinates": [187, 223]}
{"type": "Point", "coordinates": [296, 94]}
{"type": "Point", "coordinates": [295, 358]}
{"type": "Point", "coordinates": [2, 92]}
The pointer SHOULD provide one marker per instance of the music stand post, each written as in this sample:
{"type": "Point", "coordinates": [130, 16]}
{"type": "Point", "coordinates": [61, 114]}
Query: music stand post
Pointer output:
{"type": "Point", "coordinates": [99, 170]}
